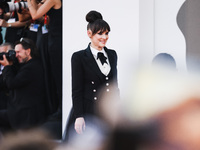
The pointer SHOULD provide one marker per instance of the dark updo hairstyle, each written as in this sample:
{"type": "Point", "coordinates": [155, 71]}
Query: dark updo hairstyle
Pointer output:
{"type": "Point", "coordinates": [96, 22]}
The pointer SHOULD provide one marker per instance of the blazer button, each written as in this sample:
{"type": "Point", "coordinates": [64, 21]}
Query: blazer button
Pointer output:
{"type": "Point", "coordinates": [107, 90]}
{"type": "Point", "coordinates": [95, 98]}
{"type": "Point", "coordinates": [94, 90]}
{"type": "Point", "coordinates": [107, 84]}
{"type": "Point", "coordinates": [92, 82]}
{"type": "Point", "coordinates": [107, 78]}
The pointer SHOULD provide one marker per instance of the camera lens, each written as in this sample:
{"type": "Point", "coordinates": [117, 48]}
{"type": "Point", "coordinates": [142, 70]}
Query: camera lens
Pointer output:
{"type": "Point", "coordinates": [10, 6]}
{"type": "Point", "coordinates": [10, 55]}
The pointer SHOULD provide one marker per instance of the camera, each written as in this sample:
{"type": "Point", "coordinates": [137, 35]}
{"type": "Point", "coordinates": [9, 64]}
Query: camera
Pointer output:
{"type": "Point", "coordinates": [10, 55]}
{"type": "Point", "coordinates": [8, 6]}
{"type": "Point", "coordinates": [3, 5]}
{"type": "Point", "coordinates": [16, 6]}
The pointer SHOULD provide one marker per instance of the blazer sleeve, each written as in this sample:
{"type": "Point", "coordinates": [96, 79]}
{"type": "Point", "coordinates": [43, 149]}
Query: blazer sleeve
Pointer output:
{"type": "Point", "coordinates": [77, 84]}
{"type": "Point", "coordinates": [116, 74]}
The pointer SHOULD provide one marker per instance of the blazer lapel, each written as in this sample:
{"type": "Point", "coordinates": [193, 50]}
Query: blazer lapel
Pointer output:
{"type": "Point", "coordinates": [92, 63]}
{"type": "Point", "coordinates": [111, 58]}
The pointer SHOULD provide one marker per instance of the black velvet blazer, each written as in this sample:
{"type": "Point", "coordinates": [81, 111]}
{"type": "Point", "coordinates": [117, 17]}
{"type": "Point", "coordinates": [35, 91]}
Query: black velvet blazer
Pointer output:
{"type": "Point", "coordinates": [88, 80]}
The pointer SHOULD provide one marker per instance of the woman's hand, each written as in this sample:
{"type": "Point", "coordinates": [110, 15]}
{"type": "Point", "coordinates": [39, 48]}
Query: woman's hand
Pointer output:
{"type": "Point", "coordinates": [79, 125]}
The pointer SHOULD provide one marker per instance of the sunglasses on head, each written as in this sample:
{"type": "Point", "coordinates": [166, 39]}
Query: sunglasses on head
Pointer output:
{"type": "Point", "coordinates": [24, 40]}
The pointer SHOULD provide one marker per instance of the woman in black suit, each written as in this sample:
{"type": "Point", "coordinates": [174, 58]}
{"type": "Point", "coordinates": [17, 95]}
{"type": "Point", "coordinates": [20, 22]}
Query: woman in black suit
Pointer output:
{"type": "Point", "coordinates": [92, 72]}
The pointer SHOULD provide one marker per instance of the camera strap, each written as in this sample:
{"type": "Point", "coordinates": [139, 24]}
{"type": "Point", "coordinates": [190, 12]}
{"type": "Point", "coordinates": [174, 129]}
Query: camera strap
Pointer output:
{"type": "Point", "coordinates": [45, 21]}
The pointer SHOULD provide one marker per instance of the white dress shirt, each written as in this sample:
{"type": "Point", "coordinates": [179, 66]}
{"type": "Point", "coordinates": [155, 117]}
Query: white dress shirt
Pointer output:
{"type": "Point", "coordinates": [105, 68]}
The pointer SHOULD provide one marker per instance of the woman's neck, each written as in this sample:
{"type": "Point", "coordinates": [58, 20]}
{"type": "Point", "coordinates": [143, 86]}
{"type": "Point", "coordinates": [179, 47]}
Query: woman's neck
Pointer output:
{"type": "Point", "coordinates": [96, 47]}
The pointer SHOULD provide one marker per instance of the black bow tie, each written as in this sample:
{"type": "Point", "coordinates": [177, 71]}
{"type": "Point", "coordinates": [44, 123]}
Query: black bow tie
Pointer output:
{"type": "Point", "coordinates": [102, 58]}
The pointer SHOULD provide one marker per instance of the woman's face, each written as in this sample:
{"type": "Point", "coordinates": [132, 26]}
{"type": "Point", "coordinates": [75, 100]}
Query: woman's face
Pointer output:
{"type": "Point", "coordinates": [98, 40]}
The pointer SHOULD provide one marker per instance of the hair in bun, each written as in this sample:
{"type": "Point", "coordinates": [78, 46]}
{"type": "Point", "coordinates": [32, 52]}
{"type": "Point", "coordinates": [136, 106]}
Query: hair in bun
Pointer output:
{"type": "Point", "coordinates": [92, 16]}
{"type": "Point", "coordinates": [96, 22]}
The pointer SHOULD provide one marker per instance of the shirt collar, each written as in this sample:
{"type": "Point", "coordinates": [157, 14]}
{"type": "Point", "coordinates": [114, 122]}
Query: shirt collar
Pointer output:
{"type": "Point", "coordinates": [95, 51]}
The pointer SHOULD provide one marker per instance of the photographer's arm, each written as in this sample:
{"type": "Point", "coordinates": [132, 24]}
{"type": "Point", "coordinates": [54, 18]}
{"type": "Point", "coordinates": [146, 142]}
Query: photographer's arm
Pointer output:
{"type": "Point", "coordinates": [7, 16]}
{"type": "Point", "coordinates": [17, 24]}
{"type": "Point", "coordinates": [24, 15]}
{"type": "Point", "coordinates": [37, 11]}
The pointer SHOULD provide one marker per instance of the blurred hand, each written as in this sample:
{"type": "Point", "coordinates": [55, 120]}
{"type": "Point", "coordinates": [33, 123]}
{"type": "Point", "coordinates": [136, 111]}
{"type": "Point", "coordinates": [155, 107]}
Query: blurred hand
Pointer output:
{"type": "Point", "coordinates": [3, 23]}
{"type": "Point", "coordinates": [1, 11]}
{"type": "Point", "coordinates": [5, 62]}
{"type": "Point", "coordinates": [79, 125]}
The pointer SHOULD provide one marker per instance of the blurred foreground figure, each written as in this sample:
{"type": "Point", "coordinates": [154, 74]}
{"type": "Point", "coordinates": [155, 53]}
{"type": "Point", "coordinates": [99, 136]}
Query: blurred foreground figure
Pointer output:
{"type": "Point", "coordinates": [161, 112]}
{"type": "Point", "coordinates": [93, 138]}
{"type": "Point", "coordinates": [27, 140]}
{"type": "Point", "coordinates": [174, 129]}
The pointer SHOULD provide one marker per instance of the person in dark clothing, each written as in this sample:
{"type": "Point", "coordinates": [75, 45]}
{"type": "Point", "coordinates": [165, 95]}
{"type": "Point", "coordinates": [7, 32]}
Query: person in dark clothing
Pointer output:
{"type": "Point", "coordinates": [14, 33]}
{"type": "Point", "coordinates": [52, 9]}
{"type": "Point", "coordinates": [94, 70]}
{"type": "Point", "coordinates": [4, 92]}
{"type": "Point", "coordinates": [26, 109]}
{"type": "Point", "coordinates": [15, 29]}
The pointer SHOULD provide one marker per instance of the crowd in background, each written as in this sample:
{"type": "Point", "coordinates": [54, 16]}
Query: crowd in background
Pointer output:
{"type": "Point", "coordinates": [35, 26]}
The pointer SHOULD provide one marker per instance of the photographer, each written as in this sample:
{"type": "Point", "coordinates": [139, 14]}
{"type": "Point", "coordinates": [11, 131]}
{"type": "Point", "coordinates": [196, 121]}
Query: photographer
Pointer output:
{"type": "Point", "coordinates": [26, 108]}
{"type": "Point", "coordinates": [4, 92]}
{"type": "Point", "coordinates": [9, 19]}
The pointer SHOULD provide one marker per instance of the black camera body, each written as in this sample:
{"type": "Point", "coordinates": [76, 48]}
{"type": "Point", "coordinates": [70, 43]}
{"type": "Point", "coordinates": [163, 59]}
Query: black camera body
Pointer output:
{"type": "Point", "coordinates": [10, 55]}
